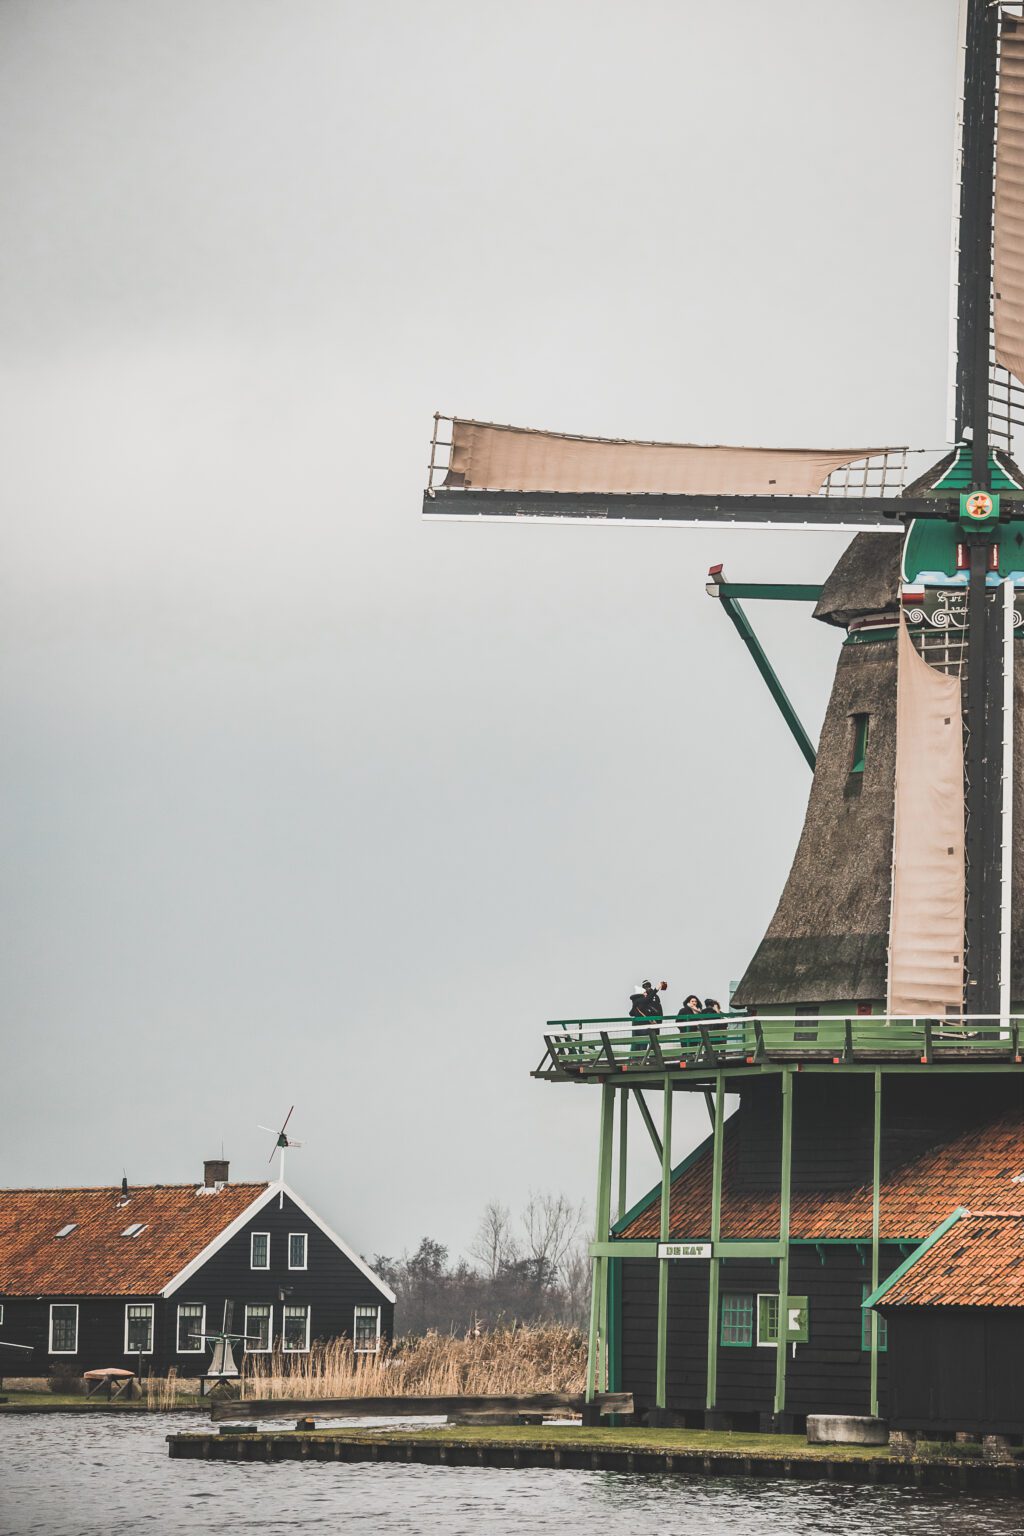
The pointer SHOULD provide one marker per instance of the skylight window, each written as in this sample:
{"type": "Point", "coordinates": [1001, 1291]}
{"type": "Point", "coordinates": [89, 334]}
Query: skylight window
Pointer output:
{"type": "Point", "coordinates": [65, 1231]}
{"type": "Point", "coordinates": [134, 1230]}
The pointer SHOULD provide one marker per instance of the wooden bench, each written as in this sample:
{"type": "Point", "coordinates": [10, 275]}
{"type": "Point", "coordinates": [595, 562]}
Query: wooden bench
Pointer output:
{"type": "Point", "coordinates": [119, 1383]}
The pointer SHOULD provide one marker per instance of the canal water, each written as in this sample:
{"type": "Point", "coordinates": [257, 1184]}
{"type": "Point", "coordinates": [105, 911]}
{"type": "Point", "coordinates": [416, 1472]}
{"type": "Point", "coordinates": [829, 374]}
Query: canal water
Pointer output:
{"type": "Point", "coordinates": [64, 1475]}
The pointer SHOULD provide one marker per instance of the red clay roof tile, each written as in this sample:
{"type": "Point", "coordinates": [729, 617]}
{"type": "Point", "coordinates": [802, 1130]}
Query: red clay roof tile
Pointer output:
{"type": "Point", "coordinates": [979, 1262]}
{"type": "Point", "coordinates": [977, 1169]}
{"type": "Point", "coordinates": [95, 1259]}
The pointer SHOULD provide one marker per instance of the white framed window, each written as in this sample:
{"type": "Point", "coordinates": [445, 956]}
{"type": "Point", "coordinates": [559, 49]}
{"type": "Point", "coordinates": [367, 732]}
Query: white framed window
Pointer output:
{"type": "Point", "coordinates": [295, 1330]}
{"type": "Point", "coordinates": [259, 1326]}
{"type": "Point", "coordinates": [138, 1328]}
{"type": "Point", "coordinates": [297, 1247]}
{"type": "Point", "coordinates": [191, 1328]}
{"type": "Point", "coordinates": [259, 1250]}
{"type": "Point", "coordinates": [366, 1330]}
{"type": "Point", "coordinates": [63, 1328]}
{"type": "Point", "coordinates": [67, 1229]}
{"type": "Point", "coordinates": [134, 1230]}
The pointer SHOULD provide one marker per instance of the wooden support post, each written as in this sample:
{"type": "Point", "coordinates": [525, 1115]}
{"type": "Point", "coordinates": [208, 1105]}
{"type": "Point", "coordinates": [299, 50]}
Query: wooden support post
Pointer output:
{"type": "Point", "coordinates": [709, 1100]}
{"type": "Point", "coordinates": [661, 1385]}
{"type": "Point", "coordinates": [622, 1207]}
{"type": "Point", "coordinates": [602, 1223]}
{"type": "Point", "coordinates": [782, 1347]}
{"type": "Point", "coordinates": [647, 1119]}
{"type": "Point", "coordinates": [876, 1168]}
{"type": "Point", "coordinates": [716, 1233]}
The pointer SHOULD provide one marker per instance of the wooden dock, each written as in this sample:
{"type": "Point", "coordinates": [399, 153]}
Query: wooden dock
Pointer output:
{"type": "Point", "coordinates": [566, 1450]}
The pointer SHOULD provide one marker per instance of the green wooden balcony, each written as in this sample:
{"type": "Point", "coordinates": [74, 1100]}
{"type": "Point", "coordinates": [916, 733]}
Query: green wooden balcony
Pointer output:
{"type": "Point", "coordinates": [599, 1048]}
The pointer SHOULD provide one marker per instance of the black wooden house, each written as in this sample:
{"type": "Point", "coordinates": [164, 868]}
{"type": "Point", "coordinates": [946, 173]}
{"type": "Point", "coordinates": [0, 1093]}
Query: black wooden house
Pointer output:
{"type": "Point", "coordinates": [955, 1310]}
{"type": "Point", "coordinates": [137, 1277]}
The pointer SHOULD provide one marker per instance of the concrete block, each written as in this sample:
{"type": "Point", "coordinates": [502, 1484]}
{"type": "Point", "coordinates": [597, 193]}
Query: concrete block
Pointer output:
{"type": "Point", "coordinates": [846, 1429]}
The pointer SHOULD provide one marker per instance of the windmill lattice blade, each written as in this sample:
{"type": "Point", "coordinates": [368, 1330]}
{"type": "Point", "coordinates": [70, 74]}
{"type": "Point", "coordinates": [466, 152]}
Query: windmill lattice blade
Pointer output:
{"type": "Point", "coordinates": [229, 1312]}
{"type": "Point", "coordinates": [287, 1118]}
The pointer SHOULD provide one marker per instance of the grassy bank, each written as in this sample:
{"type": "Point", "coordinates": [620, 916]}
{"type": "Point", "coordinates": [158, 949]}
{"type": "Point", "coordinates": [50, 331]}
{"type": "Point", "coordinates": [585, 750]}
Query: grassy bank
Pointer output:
{"type": "Point", "coordinates": [576, 1437]}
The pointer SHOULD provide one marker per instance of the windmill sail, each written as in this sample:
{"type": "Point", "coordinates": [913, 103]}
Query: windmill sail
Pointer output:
{"type": "Point", "coordinates": [486, 456]}
{"type": "Point", "coordinates": [1009, 204]}
{"type": "Point", "coordinates": [927, 922]}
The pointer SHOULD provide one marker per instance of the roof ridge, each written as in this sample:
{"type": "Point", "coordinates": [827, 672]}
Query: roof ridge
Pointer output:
{"type": "Point", "coordinates": [115, 1189]}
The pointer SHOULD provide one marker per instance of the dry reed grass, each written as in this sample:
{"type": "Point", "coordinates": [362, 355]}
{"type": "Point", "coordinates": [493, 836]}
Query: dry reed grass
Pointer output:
{"type": "Point", "coordinates": [161, 1393]}
{"type": "Point", "coordinates": [501, 1362]}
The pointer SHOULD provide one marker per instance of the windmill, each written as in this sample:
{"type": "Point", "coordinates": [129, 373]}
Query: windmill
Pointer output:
{"type": "Point", "coordinates": [223, 1370]}
{"type": "Point", "coordinates": [282, 1141]}
{"type": "Point", "coordinates": [904, 896]}
{"type": "Point", "coordinates": [971, 502]}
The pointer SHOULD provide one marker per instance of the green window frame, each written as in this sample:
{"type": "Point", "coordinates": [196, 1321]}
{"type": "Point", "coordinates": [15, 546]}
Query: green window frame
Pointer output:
{"type": "Point", "coordinates": [768, 1319]}
{"type": "Point", "coordinates": [737, 1321]}
{"type": "Point", "coordinates": [865, 1323]}
{"type": "Point", "coordinates": [861, 729]}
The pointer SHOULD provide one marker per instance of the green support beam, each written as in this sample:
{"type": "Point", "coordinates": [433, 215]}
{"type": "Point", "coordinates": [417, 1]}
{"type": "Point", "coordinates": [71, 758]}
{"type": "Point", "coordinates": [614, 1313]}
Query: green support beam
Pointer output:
{"type": "Point", "coordinates": [661, 1385]}
{"type": "Point", "coordinates": [622, 1207]}
{"type": "Point", "coordinates": [876, 1168]}
{"type": "Point", "coordinates": [648, 1120]}
{"type": "Point", "coordinates": [602, 1226]}
{"type": "Point", "coordinates": [770, 591]}
{"type": "Point", "coordinates": [782, 1347]}
{"type": "Point", "coordinates": [744, 629]}
{"type": "Point", "coordinates": [716, 1234]}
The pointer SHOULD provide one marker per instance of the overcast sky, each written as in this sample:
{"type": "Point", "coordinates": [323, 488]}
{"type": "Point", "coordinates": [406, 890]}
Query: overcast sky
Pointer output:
{"type": "Point", "coordinates": [306, 801]}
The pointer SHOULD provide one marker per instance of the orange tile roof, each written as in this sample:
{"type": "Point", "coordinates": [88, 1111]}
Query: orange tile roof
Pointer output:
{"type": "Point", "coordinates": [976, 1169]}
{"type": "Point", "coordinates": [978, 1262]}
{"type": "Point", "coordinates": [94, 1259]}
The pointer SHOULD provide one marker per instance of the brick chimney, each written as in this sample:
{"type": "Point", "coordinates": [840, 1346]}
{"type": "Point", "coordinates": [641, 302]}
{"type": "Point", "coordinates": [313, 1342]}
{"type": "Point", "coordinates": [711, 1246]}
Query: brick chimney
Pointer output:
{"type": "Point", "coordinates": [215, 1171]}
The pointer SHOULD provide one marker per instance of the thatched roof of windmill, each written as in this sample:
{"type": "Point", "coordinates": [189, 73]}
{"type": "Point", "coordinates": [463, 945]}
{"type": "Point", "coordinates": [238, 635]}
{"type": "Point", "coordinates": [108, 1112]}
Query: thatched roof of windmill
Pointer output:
{"type": "Point", "coordinates": [828, 938]}
{"type": "Point", "coordinates": [865, 580]}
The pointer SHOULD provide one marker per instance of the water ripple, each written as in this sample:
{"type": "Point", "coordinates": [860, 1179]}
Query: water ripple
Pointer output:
{"type": "Point", "coordinates": [67, 1476]}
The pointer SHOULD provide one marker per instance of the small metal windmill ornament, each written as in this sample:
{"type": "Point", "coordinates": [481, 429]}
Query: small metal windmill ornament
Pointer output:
{"type": "Point", "coordinates": [281, 1143]}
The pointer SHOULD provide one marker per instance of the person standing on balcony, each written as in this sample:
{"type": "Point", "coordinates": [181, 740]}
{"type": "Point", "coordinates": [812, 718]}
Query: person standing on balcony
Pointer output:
{"type": "Point", "coordinates": [645, 1002]}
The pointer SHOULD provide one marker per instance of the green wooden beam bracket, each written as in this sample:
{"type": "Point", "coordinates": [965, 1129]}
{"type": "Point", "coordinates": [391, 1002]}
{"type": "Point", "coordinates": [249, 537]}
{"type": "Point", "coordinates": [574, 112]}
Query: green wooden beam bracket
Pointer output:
{"type": "Point", "coordinates": [661, 1384]}
{"type": "Point", "coordinates": [602, 1224]}
{"type": "Point", "coordinates": [648, 1120]}
{"type": "Point", "coordinates": [782, 1348]}
{"type": "Point", "coordinates": [751, 1248]}
{"type": "Point", "coordinates": [622, 1207]}
{"type": "Point", "coordinates": [626, 1248]}
{"type": "Point", "coordinates": [770, 591]}
{"type": "Point", "coordinates": [744, 629]}
{"type": "Point", "coordinates": [876, 1185]}
{"type": "Point", "coordinates": [716, 1233]}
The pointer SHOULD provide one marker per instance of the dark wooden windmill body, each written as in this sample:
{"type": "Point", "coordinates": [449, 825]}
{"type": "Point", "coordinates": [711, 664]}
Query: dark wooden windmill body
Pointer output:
{"type": "Point", "coordinates": [874, 1042]}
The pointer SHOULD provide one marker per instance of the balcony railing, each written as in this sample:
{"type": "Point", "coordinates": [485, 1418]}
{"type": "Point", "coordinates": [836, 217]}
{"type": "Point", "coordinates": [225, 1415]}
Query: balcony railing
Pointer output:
{"type": "Point", "coordinates": [597, 1047]}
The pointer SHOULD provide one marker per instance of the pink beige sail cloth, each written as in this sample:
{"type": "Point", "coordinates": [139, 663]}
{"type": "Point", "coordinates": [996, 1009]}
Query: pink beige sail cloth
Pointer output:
{"type": "Point", "coordinates": [926, 927]}
{"type": "Point", "coordinates": [487, 457]}
{"type": "Point", "coordinates": [1009, 208]}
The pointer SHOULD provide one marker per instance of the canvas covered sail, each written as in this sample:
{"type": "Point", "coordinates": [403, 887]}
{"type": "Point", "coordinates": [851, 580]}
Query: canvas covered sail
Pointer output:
{"type": "Point", "coordinates": [1009, 202]}
{"type": "Point", "coordinates": [486, 456]}
{"type": "Point", "coordinates": [926, 973]}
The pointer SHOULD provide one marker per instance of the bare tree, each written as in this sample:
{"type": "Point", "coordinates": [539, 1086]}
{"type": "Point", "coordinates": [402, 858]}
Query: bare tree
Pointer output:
{"type": "Point", "coordinates": [575, 1278]}
{"type": "Point", "coordinates": [550, 1225]}
{"type": "Point", "coordinates": [494, 1246]}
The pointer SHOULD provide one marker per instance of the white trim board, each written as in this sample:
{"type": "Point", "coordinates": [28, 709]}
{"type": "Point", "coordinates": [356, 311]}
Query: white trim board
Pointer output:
{"type": "Point", "coordinates": [253, 1209]}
